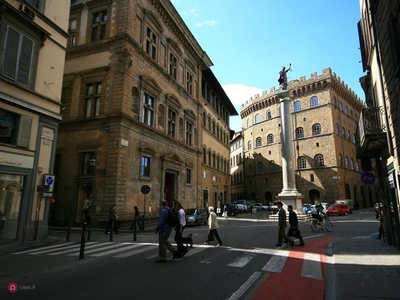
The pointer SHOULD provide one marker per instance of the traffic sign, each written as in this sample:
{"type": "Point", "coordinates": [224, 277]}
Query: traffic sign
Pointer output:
{"type": "Point", "coordinates": [49, 181]}
{"type": "Point", "coordinates": [367, 178]}
{"type": "Point", "coordinates": [145, 189]}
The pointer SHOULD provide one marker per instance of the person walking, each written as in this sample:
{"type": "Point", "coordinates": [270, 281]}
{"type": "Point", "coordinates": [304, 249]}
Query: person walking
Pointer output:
{"type": "Point", "coordinates": [112, 217]}
{"type": "Point", "coordinates": [164, 231]}
{"type": "Point", "coordinates": [212, 227]}
{"type": "Point", "coordinates": [136, 219]}
{"type": "Point", "coordinates": [182, 250]}
{"type": "Point", "coordinates": [294, 225]}
{"type": "Point", "coordinates": [282, 226]}
{"type": "Point", "coordinates": [380, 216]}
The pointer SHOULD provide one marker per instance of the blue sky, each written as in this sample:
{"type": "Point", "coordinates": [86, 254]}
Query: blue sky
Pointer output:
{"type": "Point", "coordinates": [250, 40]}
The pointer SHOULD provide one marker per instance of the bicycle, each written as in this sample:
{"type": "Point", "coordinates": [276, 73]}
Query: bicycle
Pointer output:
{"type": "Point", "coordinates": [316, 224]}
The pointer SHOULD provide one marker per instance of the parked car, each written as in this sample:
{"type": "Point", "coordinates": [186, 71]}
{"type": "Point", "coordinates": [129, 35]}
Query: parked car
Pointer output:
{"type": "Point", "coordinates": [347, 201]}
{"type": "Point", "coordinates": [232, 209]}
{"type": "Point", "coordinates": [259, 206]}
{"type": "Point", "coordinates": [338, 209]}
{"type": "Point", "coordinates": [306, 208]}
{"type": "Point", "coordinates": [196, 216]}
{"type": "Point", "coordinates": [242, 207]}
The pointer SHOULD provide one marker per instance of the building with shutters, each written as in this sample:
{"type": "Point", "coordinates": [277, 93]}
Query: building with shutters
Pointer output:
{"type": "Point", "coordinates": [141, 108]}
{"type": "Point", "coordinates": [379, 33]}
{"type": "Point", "coordinates": [33, 38]}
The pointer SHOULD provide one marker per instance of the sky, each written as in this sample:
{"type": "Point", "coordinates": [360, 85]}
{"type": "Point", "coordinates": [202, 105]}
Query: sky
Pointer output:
{"type": "Point", "coordinates": [249, 41]}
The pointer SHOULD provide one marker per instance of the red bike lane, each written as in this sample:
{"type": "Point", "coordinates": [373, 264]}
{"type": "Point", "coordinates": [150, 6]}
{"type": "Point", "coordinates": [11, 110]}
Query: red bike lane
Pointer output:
{"type": "Point", "coordinates": [289, 284]}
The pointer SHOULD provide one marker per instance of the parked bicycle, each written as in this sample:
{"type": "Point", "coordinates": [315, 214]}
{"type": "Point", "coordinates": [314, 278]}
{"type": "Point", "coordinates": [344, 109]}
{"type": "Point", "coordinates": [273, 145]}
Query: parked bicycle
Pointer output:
{"type": "Point", "coordinates": [320, 221]}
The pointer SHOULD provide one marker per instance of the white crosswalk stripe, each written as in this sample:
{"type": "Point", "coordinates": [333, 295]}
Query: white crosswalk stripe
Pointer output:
{"type": "Point", "coordinates": [277, 262]}
{"type": "Point", "coordinates": [312, 266]}
{"type": "Point", "coordinates": [277, 259]}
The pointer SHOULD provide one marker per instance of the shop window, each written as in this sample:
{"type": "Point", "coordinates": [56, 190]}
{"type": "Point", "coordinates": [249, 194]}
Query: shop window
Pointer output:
{"type": "Point", "coordinates": [15, 129]}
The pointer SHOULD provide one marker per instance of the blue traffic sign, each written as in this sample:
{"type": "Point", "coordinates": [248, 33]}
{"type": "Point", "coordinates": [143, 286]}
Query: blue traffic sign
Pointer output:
{"type": "Point", "coordinates": [367, 178]}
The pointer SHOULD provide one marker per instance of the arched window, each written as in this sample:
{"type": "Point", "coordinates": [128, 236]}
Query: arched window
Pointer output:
{"type": "Point", "coordinates": [314, 101]}
{"type": "Point", "coordinates": [346, 110]}
{"type": "Point", "coordinates": [249, 145]}
{"type": "Point", "coordinates": [351, 164]}
{"type": "Point", "coordinates": [258, 142]}
{"type": "Point", "coordinates": [340, 160]}
{"type": "Point", "coordinates": [257, 119]}
{"type": "Point", "coordinates": [357, 166]}
{"type": "Point", "coordinates": [297, 106]}
{"type": "Point", "coordinates": [319, 160]}
{"type": "Point", "coordinates": [343, 132]}
{"type": "Point", "coordinates": [346, 162]}
{"type": "Point", "coordinates": [209, 123]}
{"type": "Point", "coordinates": [299, 133]}
{"type": "Point", "coordinates": [348, 135]}
{"type": "Point", "coordinates": [260, 168]}
{"type": "Point", "coordinates": [301, 162]}
{"type": "Point", "coordinates": [270, 139]}
{"type": "Point", "coordinates": [204, 119]}
{"type": "Point", "coordinates": [269, 115]}
{"type": "Point", "coordinates": [340, 106]}
{"type": "Point", "coordinates": [248, 123]}
{"type": "Point", "coordinates": [334, 101]}
{"type": "Point", "coordinates": [209, 158]}
{"type": "Point", "coordinates": [204, 156]}
{"type": "Point", "coordinates": [337, 129]}
{"type": "Point", "coordinates": [316, 129]}
{"type": "Point", "coordinates": [250, 169]}
{"type": "Point", "coordinates": [271, 166]}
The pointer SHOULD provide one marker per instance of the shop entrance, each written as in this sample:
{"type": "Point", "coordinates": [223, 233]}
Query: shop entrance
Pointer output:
{"type": "Point", "coordinates": [11, 187]}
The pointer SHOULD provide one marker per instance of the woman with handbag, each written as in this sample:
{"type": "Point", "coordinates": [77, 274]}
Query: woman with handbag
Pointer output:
{"type": "Point", "coordinates": [212, 225]}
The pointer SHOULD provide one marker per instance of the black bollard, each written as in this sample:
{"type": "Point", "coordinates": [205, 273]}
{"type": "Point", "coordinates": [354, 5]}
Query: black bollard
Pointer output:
{"type": "Point", "coordinates": [69, 230]}
{"type": "Point", "coordinates": [143, 223]}
{"type": "Point", "coordinates": [83, 240]}
{"type": "Point", "coordinates": [134, 229]}
{"type": "Point", "coordinates": [89, 229]}
{"type": "Point", "coordinates": [111, 230]}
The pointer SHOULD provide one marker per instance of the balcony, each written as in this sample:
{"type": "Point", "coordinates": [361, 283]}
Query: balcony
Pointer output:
{"type": "Point", "coordinates": [372, 134]}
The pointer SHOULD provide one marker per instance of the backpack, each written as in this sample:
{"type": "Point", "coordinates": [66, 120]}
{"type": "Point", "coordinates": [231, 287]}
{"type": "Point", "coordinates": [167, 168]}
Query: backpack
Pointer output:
{"type": "Point", "coordinates": [172, 217]}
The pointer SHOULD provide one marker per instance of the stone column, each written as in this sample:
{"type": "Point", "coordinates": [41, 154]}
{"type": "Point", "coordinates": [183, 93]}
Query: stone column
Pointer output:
{"type": "Point", "coordinates": [289, 194]}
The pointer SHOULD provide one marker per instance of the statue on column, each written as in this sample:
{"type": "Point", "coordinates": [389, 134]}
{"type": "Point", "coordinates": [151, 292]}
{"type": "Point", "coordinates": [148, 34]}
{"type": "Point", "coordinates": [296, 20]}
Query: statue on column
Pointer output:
{"type": "Point", "coordinates": [283, 78]}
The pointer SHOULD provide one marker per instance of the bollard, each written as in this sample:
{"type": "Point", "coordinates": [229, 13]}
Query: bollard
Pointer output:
{"type": "Point", "coordinates": [69, 230]}
{"type": "Point", "coordinates": [83, 239]}
{"type": "Point", "coordinates": [134, 229]}
{"type": "Point", "coordinates": [111, 230]}
{"type": "Point", "coordinates": [89, 229]}
{"type": "Point", "coordinates": [143, 223]}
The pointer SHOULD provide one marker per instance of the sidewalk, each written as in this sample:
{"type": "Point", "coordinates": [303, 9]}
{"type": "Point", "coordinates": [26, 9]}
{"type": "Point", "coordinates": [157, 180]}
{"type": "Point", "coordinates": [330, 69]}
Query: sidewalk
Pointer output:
{"type": "Point", "coordinates": [364, 268]}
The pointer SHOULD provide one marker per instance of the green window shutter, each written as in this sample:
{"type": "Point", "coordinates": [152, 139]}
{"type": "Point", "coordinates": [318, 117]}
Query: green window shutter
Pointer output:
{"type": "Point", "coordinates": [11, 53]}
{"type": "Point", "coordinates": [24, 131]}
{"type": "Point", "coordinates": [25, 61]}
{"type": "Point", "coordinates": [17, 61]}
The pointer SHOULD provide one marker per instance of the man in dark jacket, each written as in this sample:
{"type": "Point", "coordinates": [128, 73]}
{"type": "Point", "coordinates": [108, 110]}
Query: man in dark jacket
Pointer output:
{"type": "Point", "coordinates": [164, 231]}
{"type": "Point", "coordinates": [282, 226]}
{"type": "Point", "coordinates": [112, 218]}
{"type": "Point", "coordinates": [294, 225]}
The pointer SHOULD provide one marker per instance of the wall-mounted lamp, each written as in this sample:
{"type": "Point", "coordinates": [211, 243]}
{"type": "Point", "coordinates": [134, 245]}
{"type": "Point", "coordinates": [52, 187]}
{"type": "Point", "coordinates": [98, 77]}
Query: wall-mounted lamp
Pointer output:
{"type": "Point", "coordinates": [92, 164]}
{"type": "Point", "coordinates": [40, 169]}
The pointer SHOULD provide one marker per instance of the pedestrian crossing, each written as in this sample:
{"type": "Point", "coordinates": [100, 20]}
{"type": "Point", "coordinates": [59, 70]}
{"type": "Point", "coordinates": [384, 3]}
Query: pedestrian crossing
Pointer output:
{"type": "Point", "coordinates": [277, 258]}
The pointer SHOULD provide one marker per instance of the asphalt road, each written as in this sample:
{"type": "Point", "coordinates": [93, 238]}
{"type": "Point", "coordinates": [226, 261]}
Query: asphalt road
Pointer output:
{"type": "Point", "coordinates": [247, 266]}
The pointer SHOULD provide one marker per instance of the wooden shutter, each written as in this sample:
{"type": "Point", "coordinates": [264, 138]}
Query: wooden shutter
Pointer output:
{"type": "Point", "coordinates": [18, 54]}
{"type": "Point", "coordinates": [24, 131]}
{"type": "Point", "coordinates": [11, 53]}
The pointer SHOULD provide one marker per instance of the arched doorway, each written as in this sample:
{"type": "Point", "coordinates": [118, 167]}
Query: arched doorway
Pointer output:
{"type": "Point", "coordinates": [314, 195]}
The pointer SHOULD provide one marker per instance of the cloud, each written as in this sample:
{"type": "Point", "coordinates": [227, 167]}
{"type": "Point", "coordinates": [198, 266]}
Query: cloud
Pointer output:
{"type": "Point", "coordinates": [240, 93]}
{"type": "Point", "coordinates": [208, 23]}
